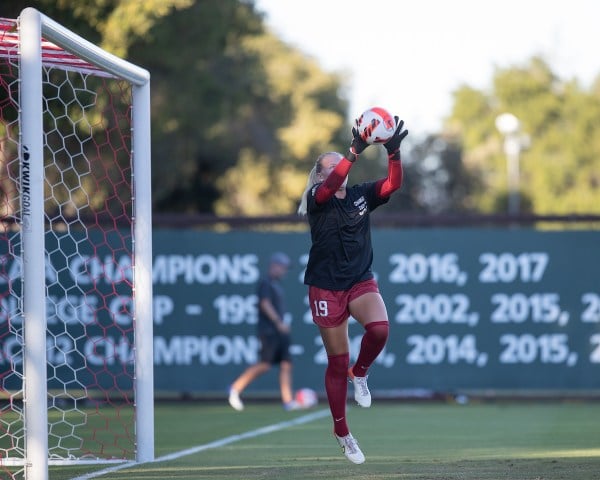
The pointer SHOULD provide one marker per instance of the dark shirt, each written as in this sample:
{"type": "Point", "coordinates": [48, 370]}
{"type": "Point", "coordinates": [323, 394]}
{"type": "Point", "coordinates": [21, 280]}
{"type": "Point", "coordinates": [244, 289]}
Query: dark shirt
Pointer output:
{"type": "Point", "coordinates": [271, 289]}
{"type": "Point", "coordinates": [341, 253]}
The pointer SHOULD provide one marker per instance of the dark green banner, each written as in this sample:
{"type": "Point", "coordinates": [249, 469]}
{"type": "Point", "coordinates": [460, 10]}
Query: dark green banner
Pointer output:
{"type": "Point", "coordinates": [469, 309]}
{"type": "Point", "coordinates": [473, 309]}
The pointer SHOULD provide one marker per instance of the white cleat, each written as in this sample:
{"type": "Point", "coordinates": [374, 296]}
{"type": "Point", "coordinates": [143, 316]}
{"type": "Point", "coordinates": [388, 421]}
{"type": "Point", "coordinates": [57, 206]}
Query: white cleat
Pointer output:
{"type": "Point", "coordinates": [350, 448]}
{"type": "Point", "coordinates": [235, 401]}
{"type": "Point", "coordinates": [362, 395]}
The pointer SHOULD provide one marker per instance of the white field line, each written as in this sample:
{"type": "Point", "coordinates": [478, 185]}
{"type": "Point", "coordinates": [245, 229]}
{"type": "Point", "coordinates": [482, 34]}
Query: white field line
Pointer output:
{"type": "Point", "coordinates": [216, 444]}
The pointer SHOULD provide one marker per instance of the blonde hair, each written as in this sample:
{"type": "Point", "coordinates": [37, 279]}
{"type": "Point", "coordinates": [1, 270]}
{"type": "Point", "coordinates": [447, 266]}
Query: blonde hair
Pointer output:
{"type": "Point", "coordinates": [312, 180]}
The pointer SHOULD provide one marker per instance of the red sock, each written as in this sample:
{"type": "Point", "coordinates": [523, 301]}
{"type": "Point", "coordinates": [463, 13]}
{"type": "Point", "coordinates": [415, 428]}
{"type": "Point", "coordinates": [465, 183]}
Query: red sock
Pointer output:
{"type": "Point", "coordinates": [336, 386]}
{"type": "Point", "coordinates": [373, 341]}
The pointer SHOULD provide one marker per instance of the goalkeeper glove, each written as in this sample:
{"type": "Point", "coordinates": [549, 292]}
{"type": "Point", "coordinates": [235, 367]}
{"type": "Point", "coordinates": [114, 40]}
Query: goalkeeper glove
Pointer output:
{"type": "Point", "coordinates": [393, 144]}
{"type": "Point", "coordinates": [357, 146]}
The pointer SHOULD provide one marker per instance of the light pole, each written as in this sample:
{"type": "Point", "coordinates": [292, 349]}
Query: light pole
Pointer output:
{"type": "Point", "coordinates": [510, 127]}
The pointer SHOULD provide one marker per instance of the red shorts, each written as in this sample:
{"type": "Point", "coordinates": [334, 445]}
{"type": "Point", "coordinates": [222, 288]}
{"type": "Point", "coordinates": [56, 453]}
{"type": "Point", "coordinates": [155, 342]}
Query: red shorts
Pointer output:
{"type": "Point", "coordinates": [330, 307]}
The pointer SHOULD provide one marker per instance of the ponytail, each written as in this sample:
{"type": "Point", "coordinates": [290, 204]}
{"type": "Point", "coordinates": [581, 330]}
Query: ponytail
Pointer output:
{"type": "Point", "coordinates": [312, 180]}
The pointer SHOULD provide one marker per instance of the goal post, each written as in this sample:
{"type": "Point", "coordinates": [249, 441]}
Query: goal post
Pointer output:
{"type": "Point", "coordinates": [75, 252]}
{"type": "Point", "coordinates": [33, 248]}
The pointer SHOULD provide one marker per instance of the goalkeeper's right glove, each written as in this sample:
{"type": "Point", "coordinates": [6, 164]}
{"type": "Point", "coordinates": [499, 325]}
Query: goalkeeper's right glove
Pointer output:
{"type": "Point", "coordinates": [357, 146]}
{"type": "Point", "coordinates": [393, 144]}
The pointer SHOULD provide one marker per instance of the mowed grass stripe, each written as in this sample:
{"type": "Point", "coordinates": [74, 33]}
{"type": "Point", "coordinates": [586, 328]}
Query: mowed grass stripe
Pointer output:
{"type": "Point", "coordinates": [487, 441]}
{"type": "Point", "coordinates": [215, 444]}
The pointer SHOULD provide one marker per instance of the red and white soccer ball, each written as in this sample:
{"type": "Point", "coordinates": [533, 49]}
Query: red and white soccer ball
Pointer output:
{"type": "Point", "coordinates": [376, 125]}
{"type": "Point", "coordinates": [307, 398]}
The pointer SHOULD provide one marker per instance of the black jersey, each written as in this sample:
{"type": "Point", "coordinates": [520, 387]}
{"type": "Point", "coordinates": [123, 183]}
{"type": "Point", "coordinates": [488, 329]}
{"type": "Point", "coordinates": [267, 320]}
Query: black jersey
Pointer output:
{"type": "Point", "coordinates": [271, 289]}
{"type": "Point", "coordinates": [341, 253]}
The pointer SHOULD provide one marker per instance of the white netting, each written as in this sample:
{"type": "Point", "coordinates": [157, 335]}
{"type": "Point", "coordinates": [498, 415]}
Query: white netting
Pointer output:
{"type": "Point", "coordinates": [88, 271]}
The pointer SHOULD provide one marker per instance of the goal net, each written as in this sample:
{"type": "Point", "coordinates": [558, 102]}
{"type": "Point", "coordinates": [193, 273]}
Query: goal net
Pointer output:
{"type": "Point", "coordinates": [75, 252]}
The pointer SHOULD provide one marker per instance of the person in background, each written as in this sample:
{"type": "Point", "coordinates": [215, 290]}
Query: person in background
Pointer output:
{"type": "Point", "coordinates": [274, 335]}
{"type": "Point", "coordinates": [339, 276]}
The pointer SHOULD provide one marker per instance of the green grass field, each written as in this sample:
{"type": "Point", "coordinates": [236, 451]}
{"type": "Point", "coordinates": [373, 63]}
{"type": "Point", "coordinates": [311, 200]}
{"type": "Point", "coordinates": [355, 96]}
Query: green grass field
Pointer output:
{"type": "Point", "coordinates": [434, 441]}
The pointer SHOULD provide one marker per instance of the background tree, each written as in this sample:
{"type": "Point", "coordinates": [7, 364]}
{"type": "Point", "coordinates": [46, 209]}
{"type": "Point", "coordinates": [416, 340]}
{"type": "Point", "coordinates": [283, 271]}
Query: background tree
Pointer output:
{"type": "Point", "coordinates": [435, 178]}
{"type": "Point", "coordinates": [227, 97]}
{"type": "Point", "coordinates": [238, 117]}
{"type": "Point", "coordinates": [234, 97]}
{"type": "Point", "coordinates": [560, 170]}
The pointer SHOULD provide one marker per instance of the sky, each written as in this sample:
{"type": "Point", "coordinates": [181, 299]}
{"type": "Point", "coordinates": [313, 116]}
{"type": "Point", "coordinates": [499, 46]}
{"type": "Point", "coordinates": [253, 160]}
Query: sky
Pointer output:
{"type": "Point", "coordinates": [409, 56]}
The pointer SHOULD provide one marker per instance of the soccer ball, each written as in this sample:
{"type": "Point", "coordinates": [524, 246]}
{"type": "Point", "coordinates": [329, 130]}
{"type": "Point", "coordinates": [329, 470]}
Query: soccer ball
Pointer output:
{"type": "Point", "coordinates": [376, 125]}
{"type": "Point", "coordinates": [306, 398]}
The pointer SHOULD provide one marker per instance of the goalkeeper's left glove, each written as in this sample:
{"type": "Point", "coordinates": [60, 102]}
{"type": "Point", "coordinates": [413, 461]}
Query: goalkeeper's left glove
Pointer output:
{"type": "Point", "coordinates": [393, 144]}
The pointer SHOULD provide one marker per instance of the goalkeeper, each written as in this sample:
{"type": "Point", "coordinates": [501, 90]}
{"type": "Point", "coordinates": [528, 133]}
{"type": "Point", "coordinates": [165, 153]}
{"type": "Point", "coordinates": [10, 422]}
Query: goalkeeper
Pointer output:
{"type": "Point", "coordinates": [339, 276]}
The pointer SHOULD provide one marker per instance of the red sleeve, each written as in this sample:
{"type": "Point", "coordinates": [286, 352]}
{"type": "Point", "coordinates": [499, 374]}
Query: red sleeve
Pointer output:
{"type": "Point", "coordinates": [386, 186]}
{"type": "Point", "coordinates": [333, 182]}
